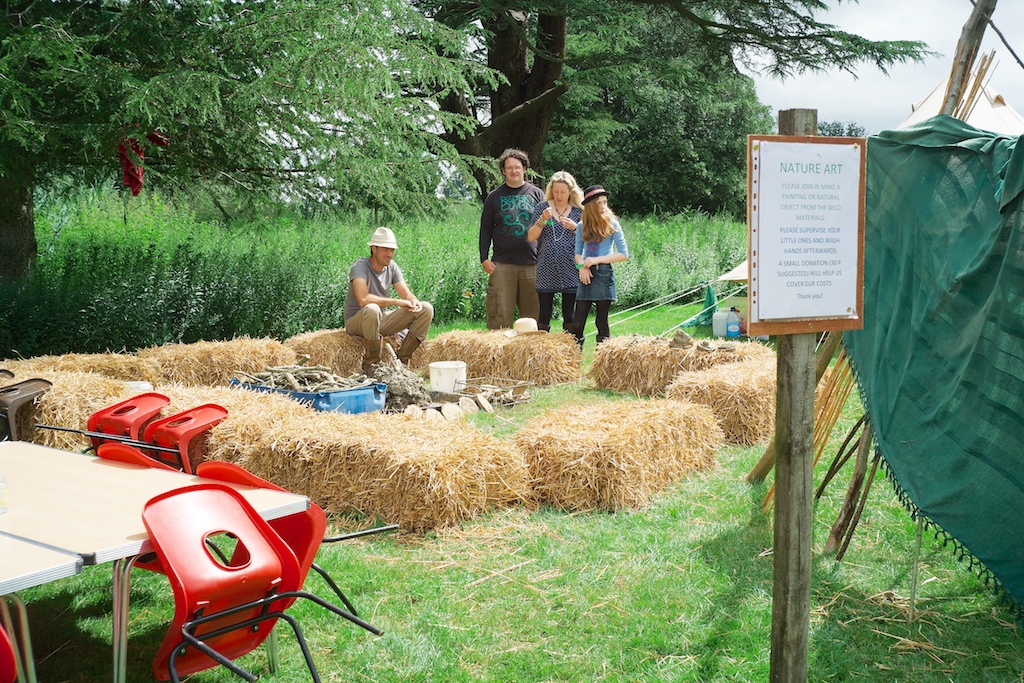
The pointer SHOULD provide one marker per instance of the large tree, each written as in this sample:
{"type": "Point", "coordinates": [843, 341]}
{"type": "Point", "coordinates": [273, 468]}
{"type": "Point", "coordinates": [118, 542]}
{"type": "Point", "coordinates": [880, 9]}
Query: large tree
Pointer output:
{"type": "Point", "coordinates": [663, 132]}
{"type": "Point", "coordinates": [326, 100]}
{"type": "Point", "coordinates": [527, 43]}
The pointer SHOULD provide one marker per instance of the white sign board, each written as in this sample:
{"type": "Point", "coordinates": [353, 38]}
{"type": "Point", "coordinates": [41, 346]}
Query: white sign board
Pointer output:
{"type": "Point", "coordinates": [806, 228]}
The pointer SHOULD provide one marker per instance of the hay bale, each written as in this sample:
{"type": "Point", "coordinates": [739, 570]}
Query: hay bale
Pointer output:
{"type": "Point", "coordinates": [644, 366]}
{"type": "Point", "coordinates": [416, 473]}
{"type": "Point", "coordinates": [123, 366]}
{"type": "Point", "coordinates": [542, 359]}
{"type": "Point", "coordinates": [333, 348]}
{"type": "Point", "coordinates": [68, 403]}
{"type": "Point", "coordinates": [215, 363]}
{"type": "Point", "coordinates": [337, 350]}
{"type": "Point", "coordinates": [250, 415]}
{"type": "Point", "coordinates": [741, 395]}
{"type": "Point", "coordinates": [611, 456]}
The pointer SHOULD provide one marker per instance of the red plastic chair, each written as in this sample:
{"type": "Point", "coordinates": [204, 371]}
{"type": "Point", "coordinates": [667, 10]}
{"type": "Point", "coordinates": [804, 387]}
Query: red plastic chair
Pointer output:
{"type": "Point", "coordinates": [222, 610]}
{"type": "Point", "coordinates": [127, 418]}
{"type": "Point", "coordinates": [181, 429]}
{"type": "Point", "coordinates": [122, 452]}
{"type": "Point", "coordinates": [8, 659]}
{"type": "Point", "coordinates": [303, 532]}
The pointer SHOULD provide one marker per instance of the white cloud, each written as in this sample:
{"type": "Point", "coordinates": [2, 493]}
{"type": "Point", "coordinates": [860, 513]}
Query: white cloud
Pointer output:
{"type": "Point", "coordinates": [877, 101]}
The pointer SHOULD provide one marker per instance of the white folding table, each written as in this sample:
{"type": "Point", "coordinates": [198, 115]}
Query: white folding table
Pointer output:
{"type": "Point", "coordinates": [92, 507]}
{"type": "Point", "coordinates": [25, 565]}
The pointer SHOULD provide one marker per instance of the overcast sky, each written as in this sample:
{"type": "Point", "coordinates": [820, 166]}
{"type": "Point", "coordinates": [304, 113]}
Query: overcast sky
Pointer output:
{"type": "Point", "coordinates": [879, 102]}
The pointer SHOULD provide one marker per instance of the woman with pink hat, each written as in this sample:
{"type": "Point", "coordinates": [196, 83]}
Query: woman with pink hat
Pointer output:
{"type": "Point", "coordinates": [599, 244]}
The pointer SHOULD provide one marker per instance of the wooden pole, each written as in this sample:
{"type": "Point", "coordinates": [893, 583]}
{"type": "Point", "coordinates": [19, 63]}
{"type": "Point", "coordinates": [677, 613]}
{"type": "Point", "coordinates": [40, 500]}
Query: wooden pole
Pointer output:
{"type": "Point", "coordinates": [966, 52]}
{"type": "Point", "coordinates": [828, 350]}
{"type": "Point", "coordinates": [794, 446]}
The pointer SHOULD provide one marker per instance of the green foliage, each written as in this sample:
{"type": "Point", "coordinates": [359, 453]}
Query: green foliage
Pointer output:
{"type": "Point", "coordinates": [114, 274]}
{"type": "Point", "coordinates": [666, 130]}
{"type": "Point", "coordinates": [330, 101]}
{"type": "Point", "coordinates": [840, 129]}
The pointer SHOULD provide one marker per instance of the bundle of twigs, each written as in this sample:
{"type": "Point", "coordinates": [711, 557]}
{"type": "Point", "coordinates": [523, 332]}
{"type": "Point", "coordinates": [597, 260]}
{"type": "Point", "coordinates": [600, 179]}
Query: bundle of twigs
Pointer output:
{"type": "Point", "coordinates": [308, 379]}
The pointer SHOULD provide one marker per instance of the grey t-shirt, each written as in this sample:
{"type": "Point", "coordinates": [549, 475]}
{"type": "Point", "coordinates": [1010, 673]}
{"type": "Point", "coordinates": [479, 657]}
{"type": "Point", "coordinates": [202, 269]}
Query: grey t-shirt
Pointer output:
{"type": "Point", "coordinates": [379, 284]}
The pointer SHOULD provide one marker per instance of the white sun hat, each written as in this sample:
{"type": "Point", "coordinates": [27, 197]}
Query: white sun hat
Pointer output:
{"type": "Point", "coordinates": [523, 326]}
{"type": "Point", "coordinates": [383, 237]}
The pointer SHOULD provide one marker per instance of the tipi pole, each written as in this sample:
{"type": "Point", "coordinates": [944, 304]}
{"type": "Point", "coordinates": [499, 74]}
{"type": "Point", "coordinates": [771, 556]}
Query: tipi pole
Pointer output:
{"type": "Point", "coordinates": [913, 571]}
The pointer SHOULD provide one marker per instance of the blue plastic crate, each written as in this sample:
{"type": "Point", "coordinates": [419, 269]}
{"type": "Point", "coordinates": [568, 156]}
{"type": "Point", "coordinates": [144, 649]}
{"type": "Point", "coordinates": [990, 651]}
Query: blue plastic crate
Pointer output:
{"type": "Point", "coordinates": [360, 400]}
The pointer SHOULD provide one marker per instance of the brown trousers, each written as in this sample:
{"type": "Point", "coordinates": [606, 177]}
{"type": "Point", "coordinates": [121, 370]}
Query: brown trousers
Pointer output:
{"type": "Point", "coordinates": [372, 323]}
{"type": "Point", "coordinates": [509, 287]}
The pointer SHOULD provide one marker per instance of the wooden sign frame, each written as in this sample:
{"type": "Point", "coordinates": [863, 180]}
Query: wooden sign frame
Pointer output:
{"type": "Point", "coordinates": [776, 326]}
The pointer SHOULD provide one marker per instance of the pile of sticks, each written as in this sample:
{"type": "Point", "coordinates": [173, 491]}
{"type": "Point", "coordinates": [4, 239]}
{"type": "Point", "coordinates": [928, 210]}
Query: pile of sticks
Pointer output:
{"type": "Point", "coordinates": [309, 379]}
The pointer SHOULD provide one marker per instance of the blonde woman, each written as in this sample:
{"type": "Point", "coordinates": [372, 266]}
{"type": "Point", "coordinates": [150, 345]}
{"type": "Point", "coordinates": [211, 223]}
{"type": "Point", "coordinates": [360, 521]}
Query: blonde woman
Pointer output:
{"type": "Point", "coordinates": [599, 244]}
{"type": "Point", "coordinates": [554, 230]}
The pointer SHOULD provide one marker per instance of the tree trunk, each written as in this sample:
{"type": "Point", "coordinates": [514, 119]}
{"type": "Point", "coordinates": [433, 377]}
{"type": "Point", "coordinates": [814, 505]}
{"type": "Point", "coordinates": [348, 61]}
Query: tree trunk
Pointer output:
{"type": "Point", "coordinates": [17, 224]}
{"type": "Point", "coordinates": [521, 109]}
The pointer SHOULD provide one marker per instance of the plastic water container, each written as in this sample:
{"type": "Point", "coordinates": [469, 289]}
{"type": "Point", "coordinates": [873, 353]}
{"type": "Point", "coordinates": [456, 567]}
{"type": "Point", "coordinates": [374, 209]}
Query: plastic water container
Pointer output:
{"type": "Point", "coordinates": [718, 323]}
{"type": "Point", "coordinates": [444, 374]}
{"type": "Point", "coordinates": [732, 323]}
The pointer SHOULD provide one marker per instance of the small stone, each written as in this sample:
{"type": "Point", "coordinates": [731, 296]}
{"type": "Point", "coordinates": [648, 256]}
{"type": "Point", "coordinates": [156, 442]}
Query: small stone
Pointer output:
{"type": "Point", "coordinates": [452, 412]}
{"type": "Point", "coordinates": [468, 405]}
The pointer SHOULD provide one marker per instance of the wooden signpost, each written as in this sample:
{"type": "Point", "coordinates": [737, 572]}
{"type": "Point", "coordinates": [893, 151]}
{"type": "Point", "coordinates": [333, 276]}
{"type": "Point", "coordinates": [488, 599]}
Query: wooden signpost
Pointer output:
{"type": "Point", "coordinates": [806, 221]}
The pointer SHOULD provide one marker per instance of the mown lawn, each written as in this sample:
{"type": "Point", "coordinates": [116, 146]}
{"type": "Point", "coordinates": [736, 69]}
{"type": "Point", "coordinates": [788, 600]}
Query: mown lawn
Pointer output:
{"type": "Point", "coordinates": [680, 591]}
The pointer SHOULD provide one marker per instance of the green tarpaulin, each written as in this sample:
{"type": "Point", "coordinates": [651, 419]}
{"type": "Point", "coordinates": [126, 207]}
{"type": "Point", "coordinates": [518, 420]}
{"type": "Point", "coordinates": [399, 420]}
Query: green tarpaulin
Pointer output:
{"type": "Point", "coordinates": [707, 313]}
{"type": "Point", "coordinates": [941, 357]}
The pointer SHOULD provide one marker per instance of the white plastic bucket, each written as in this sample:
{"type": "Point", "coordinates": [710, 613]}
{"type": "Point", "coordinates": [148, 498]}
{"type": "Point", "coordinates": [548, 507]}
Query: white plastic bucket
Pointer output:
{"type": "Point", "coordinates": [445, 373]}
{"type": "Point", "coordinates": [718, 321]}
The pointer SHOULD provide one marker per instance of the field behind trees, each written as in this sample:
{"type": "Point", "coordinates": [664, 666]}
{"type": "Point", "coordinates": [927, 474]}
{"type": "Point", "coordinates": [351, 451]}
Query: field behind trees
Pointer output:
{"type": "Point", "coordinates": [115, 273]}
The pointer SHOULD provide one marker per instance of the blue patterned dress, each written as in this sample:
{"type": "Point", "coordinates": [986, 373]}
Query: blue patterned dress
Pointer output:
{"type": "Point", "coordinates": [556, 267]}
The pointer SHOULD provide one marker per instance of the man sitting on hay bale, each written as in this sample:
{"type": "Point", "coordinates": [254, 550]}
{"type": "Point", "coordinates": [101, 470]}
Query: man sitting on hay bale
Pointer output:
{"type": "Point", "coordinates": [370, 281]}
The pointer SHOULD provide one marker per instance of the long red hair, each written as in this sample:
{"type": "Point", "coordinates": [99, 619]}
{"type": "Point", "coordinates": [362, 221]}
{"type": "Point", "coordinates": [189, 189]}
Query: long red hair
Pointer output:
{"type": "Point", "coordinates": [597, 224]}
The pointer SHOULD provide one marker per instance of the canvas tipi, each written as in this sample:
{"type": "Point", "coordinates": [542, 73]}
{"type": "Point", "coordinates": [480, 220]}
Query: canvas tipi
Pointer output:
{"type": "Point", "coordinates": [989, 111]}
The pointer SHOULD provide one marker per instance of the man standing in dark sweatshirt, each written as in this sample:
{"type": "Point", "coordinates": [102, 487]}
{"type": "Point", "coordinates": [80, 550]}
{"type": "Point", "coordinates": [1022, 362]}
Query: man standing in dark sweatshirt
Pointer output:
{"type": "Point", "coordinates": [504, 222]}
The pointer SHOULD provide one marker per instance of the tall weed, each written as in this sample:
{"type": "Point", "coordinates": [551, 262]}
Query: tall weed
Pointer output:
{"type": "Point", "coordinates": [115, 274]}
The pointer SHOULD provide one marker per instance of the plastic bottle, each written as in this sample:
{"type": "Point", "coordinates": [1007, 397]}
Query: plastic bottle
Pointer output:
{"type": "Point", "coordinates": [3, 494]}
{"type": "Point", "coordinates": [718, 323]}
{"type": "Point", "coordinates": [732, 324]}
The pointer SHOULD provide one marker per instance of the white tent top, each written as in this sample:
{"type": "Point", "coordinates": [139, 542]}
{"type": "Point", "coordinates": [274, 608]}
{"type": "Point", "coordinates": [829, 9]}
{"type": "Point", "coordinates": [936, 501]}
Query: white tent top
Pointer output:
{"type": "Point", "coordinates": [990, 112]}
{"type": "Point", "coordinates": [740, 273]}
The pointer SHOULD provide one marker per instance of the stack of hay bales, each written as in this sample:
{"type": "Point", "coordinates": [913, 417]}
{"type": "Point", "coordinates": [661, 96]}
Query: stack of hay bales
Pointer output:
{"type": "Point", "coordinates": [419, 474]}
{"type": "Point", "coordinates": [123, 366]}
{"type": "Point", "coordinates": [336, 349]}
{"type": "Point", "coordinates": [543, 359]}
{"type": "Point", "coordinates": [645, 366]}
{"type": "Point", "coordinates": [614, 455]}
{"type": "Point", "coordinates": [215, 363]}
{"type": "Point", "coordinates": [741, 395]}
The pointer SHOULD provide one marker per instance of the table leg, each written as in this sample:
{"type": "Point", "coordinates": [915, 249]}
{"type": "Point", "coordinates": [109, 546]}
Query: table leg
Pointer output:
{"type": "Point", "coordinates": [19, 636]}
{"type": "Point", "coordinates": [119, 635]}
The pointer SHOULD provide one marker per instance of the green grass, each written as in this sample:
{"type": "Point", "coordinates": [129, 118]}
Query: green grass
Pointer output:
{"type": "Point", "coordinates": [680, 591]}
